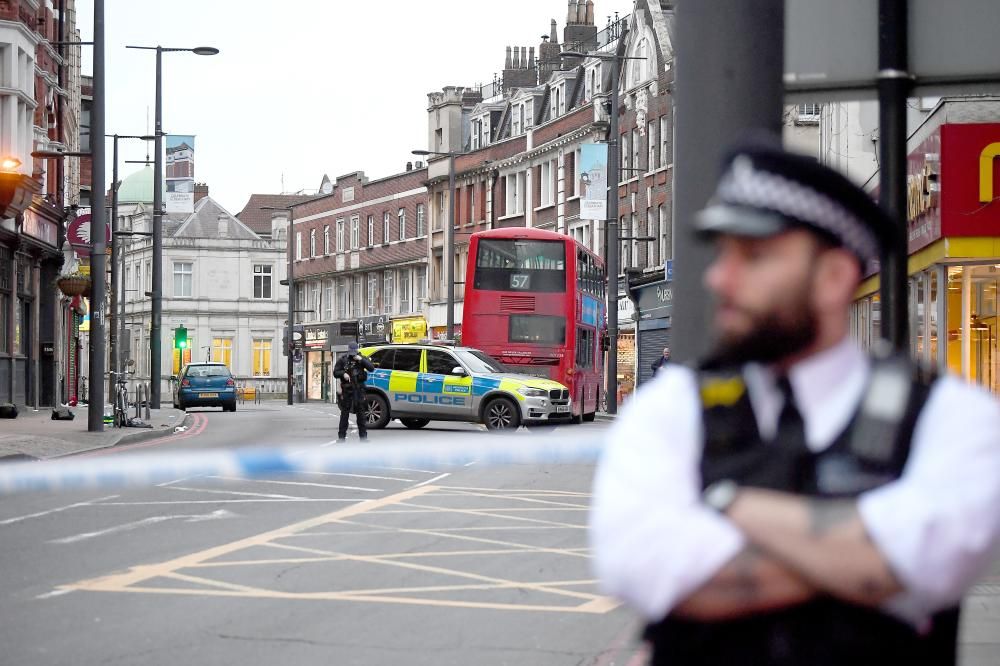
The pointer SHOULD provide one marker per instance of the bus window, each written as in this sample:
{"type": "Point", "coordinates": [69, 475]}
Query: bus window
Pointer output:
{"type": "Point", "coordinates": [521, 265]}
{"type": "Point", "coordinates": [537, 328]}
{"type": "Point", "coordinates": [584, 347]}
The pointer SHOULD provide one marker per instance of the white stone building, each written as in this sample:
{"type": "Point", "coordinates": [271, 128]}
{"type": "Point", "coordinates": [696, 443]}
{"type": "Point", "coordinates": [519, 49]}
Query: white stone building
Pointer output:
{"type": "Point", "coordinates": [221, 281]}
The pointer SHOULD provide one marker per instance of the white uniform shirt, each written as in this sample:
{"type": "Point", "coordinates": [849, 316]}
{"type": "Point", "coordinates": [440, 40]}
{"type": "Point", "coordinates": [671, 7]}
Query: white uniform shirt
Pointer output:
{"type": "Point", "coordinates": [655, 543]}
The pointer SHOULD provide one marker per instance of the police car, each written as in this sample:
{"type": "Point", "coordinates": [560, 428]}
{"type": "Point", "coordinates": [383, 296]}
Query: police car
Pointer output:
{"type": "Point", "coordinates": [421, 383]}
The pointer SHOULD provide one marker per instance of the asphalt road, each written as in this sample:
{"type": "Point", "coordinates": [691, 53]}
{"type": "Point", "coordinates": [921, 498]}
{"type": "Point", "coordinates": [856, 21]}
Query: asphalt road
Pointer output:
{"type": "Point", "coordinates": [463, 565]}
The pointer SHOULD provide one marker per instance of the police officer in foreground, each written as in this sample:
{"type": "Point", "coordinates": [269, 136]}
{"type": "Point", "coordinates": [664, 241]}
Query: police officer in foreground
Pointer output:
{"type": "Point", "coordinates": [352, 370]}
{"type": "Point", "coordinates": [794, 500]}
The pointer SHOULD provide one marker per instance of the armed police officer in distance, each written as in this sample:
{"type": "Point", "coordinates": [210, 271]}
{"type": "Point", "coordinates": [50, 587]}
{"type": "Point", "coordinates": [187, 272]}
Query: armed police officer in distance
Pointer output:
{"type": "Point", "coordinates": [352, 370]}
{"type": "Point", "coordinates": [793, 499]}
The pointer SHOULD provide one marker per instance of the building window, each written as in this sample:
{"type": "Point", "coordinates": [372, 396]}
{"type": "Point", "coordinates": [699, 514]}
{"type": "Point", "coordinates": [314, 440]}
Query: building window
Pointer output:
{"type": "Point", "coordinates": [636, 151]}
{"type": "Point", "coordinates": [664, 137]}
{"type": "Point", "coordinates": [371, 230]}
{"type": "Point", "coordinates": [547, 184]}
{"type": "Point", "coordinates": [355, 232]}
{"type": "Point", "coordinates": [149, 276]}
{"type": "Point", "coordinates": [298, 245]}
{"type": "Point", "coordinates": [808, 114]}
{"type": "Point", "coordinates": [340, 235]}
{"type": "Point", "coordinates": [371, 304]}
{"type": "Point", "coordinates": [420, 220]}
{"type": "Point", "coordinates": [404, 291]}
{"type": "Point", "coordinates": [556, 103]}
{"type": "Point", "coordinates": [385, 226]}
{"type": "Point", "coordinates": [125, 287]}
{"type": "Point", "coordinates": [138, 279]}
{"type": "Point", "coordinates": [356, 295]}
{"type": "Point", "coordinates": [261, 357]}
{"type": "Point", "coordinates": [315, 299]}
{"type": "Point", "coordinates": [261, 281]}
{"type": "Point", "coordinates": [301, 296]}
{"type": "Point", "coordinates": [388, 282]}
{"type": "Point", "coordinates": [477, 128]}
{"type": "Point", "coordinates": [183, 279]}
{"type": "Point", "coordinates": [515, 193]}
{"type": "Point", "coordinates": [518, 120]}
{"type": "Point", "coordinates": [326, 314]}
{"type": "Point", "coordinates": [401, 219]}
{"type": "Point", "coordinates": [326, 239]}
{"type": "Point", "coordinates": [651, 145]}
{"type": "Point", "coordinates": [312, 242]}
{"type": "Point", "coordinates": [222, 351]}
{"type": "Point", "coordinates": [624, 157]}
{"type": "Point", "coordinates": [342, 298]}
{"type": "Point", "coordinates": [419, 286]}
{"type": "Point", "coordinates": [666, 246]}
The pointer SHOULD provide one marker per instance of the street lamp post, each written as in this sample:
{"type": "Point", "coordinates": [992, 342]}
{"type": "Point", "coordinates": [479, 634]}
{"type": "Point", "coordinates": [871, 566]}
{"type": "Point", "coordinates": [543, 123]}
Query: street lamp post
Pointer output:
{"type": "Point", "coordinates": [157, 282]}
{"type": "Point", "coordinates": [291, 294]}
{"type": "Point", "coordinates": [612, 222]}
{"type": "Point", "coordinates": [449, 240]}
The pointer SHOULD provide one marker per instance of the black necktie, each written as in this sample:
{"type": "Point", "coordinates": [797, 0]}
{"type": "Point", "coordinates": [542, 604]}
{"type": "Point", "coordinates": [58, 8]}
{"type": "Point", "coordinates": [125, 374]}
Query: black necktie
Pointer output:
{"type": "Point", "coordinates": [791, 431]}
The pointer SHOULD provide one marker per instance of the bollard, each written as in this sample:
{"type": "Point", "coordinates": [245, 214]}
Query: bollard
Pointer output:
{"type": "Point", "coordinates": [138, 399]}
{"type": "Point", "coordinates": [146, 402]}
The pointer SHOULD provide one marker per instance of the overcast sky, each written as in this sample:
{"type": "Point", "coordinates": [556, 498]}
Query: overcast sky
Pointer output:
{"type": "Point", "coordinates": [306, 87]}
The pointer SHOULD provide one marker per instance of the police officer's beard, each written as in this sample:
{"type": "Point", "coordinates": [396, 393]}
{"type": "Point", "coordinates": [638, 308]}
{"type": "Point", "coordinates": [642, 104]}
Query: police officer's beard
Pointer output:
{"type": "Point", "coordinates": [782, 331]}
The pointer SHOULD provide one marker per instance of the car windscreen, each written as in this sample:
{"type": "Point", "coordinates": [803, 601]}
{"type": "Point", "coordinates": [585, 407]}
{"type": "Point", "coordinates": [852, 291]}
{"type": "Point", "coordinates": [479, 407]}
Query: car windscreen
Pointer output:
{"type": "Point", "coordinates": [478, 361]}
{"type": "Point", "coordinates": [207, 371]}
{"type": "Point", "coordinates": [521, 265]}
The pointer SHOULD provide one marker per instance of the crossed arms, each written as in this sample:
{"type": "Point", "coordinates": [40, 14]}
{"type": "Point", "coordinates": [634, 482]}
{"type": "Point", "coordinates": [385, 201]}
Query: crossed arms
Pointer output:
{"type": "Point", "coordinates": [797, 548]}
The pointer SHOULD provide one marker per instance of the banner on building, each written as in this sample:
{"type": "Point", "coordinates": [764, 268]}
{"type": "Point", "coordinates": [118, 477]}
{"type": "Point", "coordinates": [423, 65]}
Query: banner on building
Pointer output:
{"type": "Point", "coordinates": [410, 329]}
{"type": "Point", "coordinates": [180, 174]}
{"type": "Point", "coordinates": [593, 181]}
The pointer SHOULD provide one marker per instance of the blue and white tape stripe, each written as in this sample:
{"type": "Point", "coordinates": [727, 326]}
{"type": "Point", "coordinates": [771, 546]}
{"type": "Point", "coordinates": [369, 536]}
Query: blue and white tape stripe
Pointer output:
{"type": "Point", "coordinates": [144, 469]}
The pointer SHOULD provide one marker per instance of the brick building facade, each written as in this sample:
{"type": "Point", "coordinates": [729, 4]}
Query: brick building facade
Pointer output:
{"type": "Point", "coordinates": [360, 255]}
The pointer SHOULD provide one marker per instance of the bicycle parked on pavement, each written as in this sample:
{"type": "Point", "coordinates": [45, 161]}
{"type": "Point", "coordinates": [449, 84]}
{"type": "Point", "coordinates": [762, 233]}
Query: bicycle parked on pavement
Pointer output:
{"type": "Point", "coordinates": [121, 399]}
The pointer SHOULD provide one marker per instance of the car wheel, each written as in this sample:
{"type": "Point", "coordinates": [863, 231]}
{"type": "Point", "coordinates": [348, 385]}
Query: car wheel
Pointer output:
{"type": "Point", "coordinates": [589, 416]}
{"type": "Point", "coordinates": [229, 407]}
{"type": "Point", "coordinates": [181, 406]}
{"type": "Point", "coordinates": [376, 411]}
{"type": "Point", "coordinates": [501, 414]}
{"type": "Point", "coordinates": [414, 424]}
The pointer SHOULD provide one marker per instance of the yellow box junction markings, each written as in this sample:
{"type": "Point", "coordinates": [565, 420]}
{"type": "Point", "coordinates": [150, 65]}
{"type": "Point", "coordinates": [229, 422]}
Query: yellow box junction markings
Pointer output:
{"type": "Point", "coordinates": [139, 579]}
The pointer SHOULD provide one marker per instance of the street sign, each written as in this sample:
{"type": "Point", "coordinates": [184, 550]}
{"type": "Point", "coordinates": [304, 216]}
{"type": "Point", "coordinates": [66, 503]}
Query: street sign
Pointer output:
{"type": "Point", "coordinates": [831, 48]}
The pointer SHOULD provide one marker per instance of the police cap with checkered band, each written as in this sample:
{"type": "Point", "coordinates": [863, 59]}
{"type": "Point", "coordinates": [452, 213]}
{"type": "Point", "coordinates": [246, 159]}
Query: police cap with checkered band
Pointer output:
{"type": "Point", "coordinates": [765, 190]}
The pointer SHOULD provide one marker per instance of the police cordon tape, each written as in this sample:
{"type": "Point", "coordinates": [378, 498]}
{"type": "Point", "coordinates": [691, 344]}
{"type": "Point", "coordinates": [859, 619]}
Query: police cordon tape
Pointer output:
{"type": "Point", "coordinates": [146, 469]}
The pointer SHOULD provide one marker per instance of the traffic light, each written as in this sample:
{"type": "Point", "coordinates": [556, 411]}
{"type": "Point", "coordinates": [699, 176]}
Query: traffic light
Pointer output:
{"type": "Point", "coordinates": [180, 338]}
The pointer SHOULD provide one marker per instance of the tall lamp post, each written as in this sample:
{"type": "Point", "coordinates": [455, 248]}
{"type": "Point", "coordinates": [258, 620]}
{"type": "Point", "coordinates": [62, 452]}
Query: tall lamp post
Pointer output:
{"type": "Point", "coordinates": [614, 177]}
{"type": "Point", "coordinates": [157, 286]}
{"type": "Point", "coordinates": [291, 293]}
{"type": "Point", "coordinates": [449, 238]}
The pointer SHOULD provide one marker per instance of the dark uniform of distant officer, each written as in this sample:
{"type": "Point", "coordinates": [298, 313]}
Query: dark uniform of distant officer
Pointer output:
{"type": "Point", "coordinates": [352, 370]}
{"type": "Point", "coordinates": [794, 500]}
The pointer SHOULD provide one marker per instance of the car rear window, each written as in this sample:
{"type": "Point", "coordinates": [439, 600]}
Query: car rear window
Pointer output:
{"type": "Point", "coordinates": [208, 371]}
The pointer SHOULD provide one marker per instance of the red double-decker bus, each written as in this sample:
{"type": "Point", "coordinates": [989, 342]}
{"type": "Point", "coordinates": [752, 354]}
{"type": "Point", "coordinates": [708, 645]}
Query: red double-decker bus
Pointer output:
{"type": "Point", "coordinates": [535, 301]}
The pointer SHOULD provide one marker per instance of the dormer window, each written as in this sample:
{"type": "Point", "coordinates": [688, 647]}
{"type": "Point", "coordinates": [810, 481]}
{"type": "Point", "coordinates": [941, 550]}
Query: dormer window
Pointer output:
{"type": "Point", "coordinates": [528, 108]}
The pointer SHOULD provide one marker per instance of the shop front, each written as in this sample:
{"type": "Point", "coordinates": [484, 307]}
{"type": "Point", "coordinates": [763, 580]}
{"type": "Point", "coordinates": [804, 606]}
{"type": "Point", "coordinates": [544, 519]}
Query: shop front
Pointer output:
{"type": "Point", "coordinates": [373, 329]}
{"type": "Point", "coordinates": [655, 306]}
{"type": "Point", "coordinates": [318, 363]}
{"type": "Point", "coordinates": [954, 261]}
{"type": "Point", "coordinates": [441, 332]}
{"type": "Point", "coordinates": [626, 347]}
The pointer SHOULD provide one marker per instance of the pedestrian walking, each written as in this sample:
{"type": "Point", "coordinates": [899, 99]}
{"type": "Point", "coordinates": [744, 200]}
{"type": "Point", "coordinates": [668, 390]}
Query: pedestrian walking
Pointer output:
{"type": "Point", "coordinates": [352, 370]}
{"type": "Point", "coordinates": [794, 500]}
{"type": "Point", "coordinates": [662, 361]}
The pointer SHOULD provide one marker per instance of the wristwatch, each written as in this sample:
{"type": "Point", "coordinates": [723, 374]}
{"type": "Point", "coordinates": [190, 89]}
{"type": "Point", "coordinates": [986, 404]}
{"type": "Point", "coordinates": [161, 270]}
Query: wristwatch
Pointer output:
{"type": "Point", "coordinates": [721, 494]}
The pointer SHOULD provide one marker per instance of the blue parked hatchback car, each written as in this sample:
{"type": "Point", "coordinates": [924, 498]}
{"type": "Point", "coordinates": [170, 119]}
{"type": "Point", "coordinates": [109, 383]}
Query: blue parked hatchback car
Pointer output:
{"type": "Point", "coordinates": [205, 385]}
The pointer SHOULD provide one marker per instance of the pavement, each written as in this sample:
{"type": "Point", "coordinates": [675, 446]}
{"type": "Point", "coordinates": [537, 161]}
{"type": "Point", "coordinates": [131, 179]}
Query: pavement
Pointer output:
{"type": "Point", "coordinates": [34, 435]}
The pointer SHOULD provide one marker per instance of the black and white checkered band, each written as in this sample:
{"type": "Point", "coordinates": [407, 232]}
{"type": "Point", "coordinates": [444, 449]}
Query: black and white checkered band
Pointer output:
{"type": "Point", "coordinates": [746, 186]}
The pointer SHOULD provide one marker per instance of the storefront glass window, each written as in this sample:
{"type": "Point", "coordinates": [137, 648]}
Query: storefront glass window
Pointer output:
{"type": "Point", "coordinates": [953, 314]}
{"type": "Point", "coordinates": [931, 313]}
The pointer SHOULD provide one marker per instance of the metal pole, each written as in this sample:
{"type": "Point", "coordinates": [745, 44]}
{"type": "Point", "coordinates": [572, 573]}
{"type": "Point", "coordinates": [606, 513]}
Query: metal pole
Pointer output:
{"type": "Point", "coordinates": [611, 228]}
{"type": "Point", "coordinates": [449, 234]}
{"type": "Point", "coordinates": [291, 302]}
{"type": "Point", "coordinates": [894, 84]}
{"type": "Point", "coordinates": [155, 340]}
{"type": "Point", "coordinates": [115, 317]}
{"type": "Point", "coordinates": [726, 49]}
{"type": "Point", "coordinates": [98, 232]}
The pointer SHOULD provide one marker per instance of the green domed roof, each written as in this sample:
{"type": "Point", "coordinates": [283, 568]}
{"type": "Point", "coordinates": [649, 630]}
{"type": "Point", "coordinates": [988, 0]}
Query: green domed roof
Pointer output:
{"type": "Point", "coordinates": [137, 187]}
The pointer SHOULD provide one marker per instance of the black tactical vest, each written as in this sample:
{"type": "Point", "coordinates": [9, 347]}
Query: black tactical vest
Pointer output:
{"type": "Point", "coordinates": [870, 452]}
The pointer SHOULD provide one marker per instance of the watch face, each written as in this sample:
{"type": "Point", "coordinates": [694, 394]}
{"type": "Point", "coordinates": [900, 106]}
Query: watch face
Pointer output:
{"type": "Point", "coordinates": [720, 495]}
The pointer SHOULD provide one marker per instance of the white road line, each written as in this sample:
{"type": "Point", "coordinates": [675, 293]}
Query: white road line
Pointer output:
{"type": "Point", "coordinates": [53, 593]}
{"type": "Point", "coordinates": [296, 483]}
{"type": "Point", "coordinates": [436, 478]}
{"type": "Point", "coordinates": [409, 469]}
{"type": "Point", "coordinates": [235, 492]}
{"type": "Point", "coordinates": [11, 521]}
{"type": "Point", "coordinates": [152, 520]}
{"type": "Point", "coordinates": [362, 476]}
{"type": "Point", "coordinates": [470, 464]}
{"type": "Point", "coordinates": [170, 483]}
{"type": "Point", "coordinates": [233, 501]}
